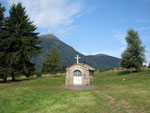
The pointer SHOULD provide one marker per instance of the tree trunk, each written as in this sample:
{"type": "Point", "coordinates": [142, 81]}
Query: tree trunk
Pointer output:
{"type": "Point", "coordinates": [5, 79]}
{"type": "Point", "coordinates": [13, 77]}
{"type": "Point", "coordinates": [131, 71]}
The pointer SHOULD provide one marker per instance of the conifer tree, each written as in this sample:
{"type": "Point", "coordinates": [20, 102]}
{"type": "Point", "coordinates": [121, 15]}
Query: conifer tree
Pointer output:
{"type": "Point", "coordinates": [23, 42]}
{"type": "Point", "coordinates": [2, 10]}
{"type": "Point", "coordinates": [3, 35]}
{"type": "Point", "coordinates": [133, 56]}
{"type": "Point", "coordinates": [52, 62]}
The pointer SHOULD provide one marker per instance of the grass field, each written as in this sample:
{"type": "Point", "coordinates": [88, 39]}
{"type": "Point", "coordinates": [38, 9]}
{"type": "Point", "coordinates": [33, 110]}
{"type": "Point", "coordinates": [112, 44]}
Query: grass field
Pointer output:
{"type": "Point", "coordinates": [116, 92]}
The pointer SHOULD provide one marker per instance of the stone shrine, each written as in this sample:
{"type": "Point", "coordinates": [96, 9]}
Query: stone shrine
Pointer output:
{"type": "Point", "coordinates": [79, 74]}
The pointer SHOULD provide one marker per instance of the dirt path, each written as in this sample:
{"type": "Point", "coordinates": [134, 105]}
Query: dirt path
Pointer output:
{"type": "Point", "coordinates": [113, 103]}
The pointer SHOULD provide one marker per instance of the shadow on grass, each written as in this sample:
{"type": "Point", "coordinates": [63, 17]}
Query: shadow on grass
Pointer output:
{"type": "Point", "coordinates": [26, 79]}
{"type": "Point", "coordinates": [57, 76]}
{"type": "Point", "coordinates": [127, 72]}
{"type": "Point", "coordinates": [124, 72]}
{"type": "Point", "coordinates": [17, 80]}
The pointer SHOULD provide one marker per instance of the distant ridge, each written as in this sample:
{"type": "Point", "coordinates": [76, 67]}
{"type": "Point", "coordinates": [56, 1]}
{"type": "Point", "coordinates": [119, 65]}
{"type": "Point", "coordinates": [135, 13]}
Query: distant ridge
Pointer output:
{"type": "Point", "coordinates": [68, 53]}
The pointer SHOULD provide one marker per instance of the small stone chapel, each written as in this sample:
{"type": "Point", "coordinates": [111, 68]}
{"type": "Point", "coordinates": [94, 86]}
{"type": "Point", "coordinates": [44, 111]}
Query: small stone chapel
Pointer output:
{"type": "Point", "coordinates": [79, 74]}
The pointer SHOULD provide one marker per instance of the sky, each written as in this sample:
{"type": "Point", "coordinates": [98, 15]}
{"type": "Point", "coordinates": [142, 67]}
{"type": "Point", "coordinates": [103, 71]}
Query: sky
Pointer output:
{"type": "Point", "coordinates": [90, 26]}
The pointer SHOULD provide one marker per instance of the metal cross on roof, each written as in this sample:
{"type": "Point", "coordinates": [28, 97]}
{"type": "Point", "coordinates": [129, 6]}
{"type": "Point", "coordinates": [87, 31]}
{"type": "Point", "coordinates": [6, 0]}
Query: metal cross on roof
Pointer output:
{"type": "Point", "coordinates": [77, 59]}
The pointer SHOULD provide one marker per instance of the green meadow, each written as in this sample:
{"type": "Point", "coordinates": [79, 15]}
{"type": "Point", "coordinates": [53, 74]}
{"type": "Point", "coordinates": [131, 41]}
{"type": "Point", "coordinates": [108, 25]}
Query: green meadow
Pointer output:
{"type": "Point", "coordinates": [116, 92]}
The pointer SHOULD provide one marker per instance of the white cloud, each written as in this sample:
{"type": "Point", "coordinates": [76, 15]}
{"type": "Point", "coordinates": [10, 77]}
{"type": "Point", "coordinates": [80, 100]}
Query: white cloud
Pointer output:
{"type": "Point", "coordinates": [142, 20]}
{"type": "Point", "coordinates": [55, 14]}
{"type": "Point", "coordinates": [119, 35]}
{"type": "Point", "coordinates": [65, 30]}
{"type": "Point", "coordinates": [143, 28]}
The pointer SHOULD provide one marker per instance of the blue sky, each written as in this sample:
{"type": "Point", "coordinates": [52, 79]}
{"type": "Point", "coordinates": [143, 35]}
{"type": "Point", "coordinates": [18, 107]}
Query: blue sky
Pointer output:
{"type": "Point", "coordinates": [91, 26]}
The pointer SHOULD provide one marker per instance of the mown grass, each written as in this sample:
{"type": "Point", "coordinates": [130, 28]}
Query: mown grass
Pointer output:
{"type": "Point", "coordinates": [116, 92]}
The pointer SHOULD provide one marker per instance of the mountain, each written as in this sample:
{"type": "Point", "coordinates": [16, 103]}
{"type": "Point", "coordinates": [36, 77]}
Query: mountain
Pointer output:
{"type": "Point", "coordinates": [68, 54]}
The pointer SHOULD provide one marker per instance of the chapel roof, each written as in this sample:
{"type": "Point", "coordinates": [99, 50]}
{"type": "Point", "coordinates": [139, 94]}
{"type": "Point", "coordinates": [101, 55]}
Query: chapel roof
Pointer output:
{"type": "Point", "coordinates": [83, 65]}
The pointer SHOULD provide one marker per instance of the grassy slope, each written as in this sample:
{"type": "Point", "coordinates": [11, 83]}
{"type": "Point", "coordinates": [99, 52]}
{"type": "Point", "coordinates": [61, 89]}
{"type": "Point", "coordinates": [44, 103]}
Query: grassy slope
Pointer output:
{"type": "Point", "coordinates": [116, 92]}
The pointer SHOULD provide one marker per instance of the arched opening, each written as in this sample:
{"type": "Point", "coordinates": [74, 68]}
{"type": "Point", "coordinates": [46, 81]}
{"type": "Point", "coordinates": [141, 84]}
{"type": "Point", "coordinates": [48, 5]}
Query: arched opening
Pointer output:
{"type": "Point", "coordinates": [77, 73]}
{"type": "Point", "coordinates": [77, 77]}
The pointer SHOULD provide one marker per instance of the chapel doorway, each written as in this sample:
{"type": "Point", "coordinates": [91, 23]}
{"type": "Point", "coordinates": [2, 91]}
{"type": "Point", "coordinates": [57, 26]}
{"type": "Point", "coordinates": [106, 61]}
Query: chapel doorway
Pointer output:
{"type": "Point", "coordinates": [77, 77]}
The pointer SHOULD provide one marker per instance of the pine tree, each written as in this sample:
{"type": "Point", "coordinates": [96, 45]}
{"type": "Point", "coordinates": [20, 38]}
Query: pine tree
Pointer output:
{"type": "Point", "coordinates": [23, 42]}
{"type": "Point", "coordinates": [2, 10]}
{"type": "Point", "coordinates": [52, 62]}
{"type": "Point", "coordinates": [133, 56]}
{"type": "Point", "coordinates": [3, 35]}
